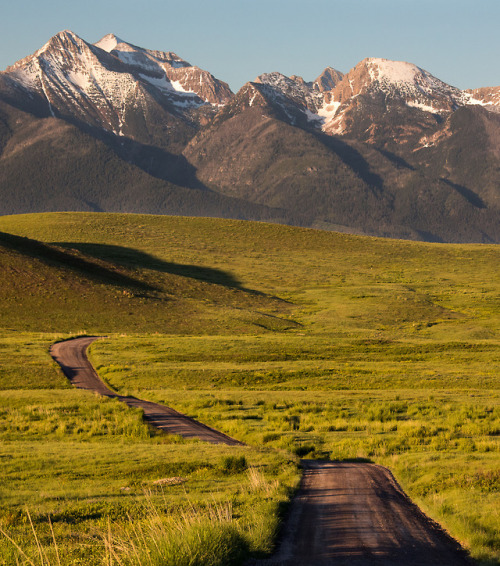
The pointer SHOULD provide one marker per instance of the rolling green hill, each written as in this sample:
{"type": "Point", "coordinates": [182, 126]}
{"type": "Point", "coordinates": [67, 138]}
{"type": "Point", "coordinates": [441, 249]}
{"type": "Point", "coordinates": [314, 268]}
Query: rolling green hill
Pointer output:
{"type": "Point", "coordinates": [61, 288]}
{"type": "Point", "coordinates": [298, 342]}
{"type": "Point", "coordinates": [408, 281]}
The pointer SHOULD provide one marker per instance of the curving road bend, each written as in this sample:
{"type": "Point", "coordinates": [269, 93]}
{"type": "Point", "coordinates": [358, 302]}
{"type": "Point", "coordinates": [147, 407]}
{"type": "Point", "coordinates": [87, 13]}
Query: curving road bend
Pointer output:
{"type": "Point", "coordinates": [355, 514]}
{"type": "Point", "coordinates": [71, 356]}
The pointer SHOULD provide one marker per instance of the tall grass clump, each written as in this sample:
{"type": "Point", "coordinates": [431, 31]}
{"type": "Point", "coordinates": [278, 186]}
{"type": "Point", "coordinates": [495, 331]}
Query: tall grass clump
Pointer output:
{"type": "Point", "coordinates": [269, 500]}
{"type": "Point", "coordinates": [45, 554]}
{"type": "Point", "coordinates": [196, 538]}
{"type": "Point", "coordinates": [208, 537]}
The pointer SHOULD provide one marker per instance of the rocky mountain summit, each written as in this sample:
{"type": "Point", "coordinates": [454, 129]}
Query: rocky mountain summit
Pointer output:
{"type": "Point", "coordinates": [336, 103]}
{"type": "Point", "coordinates": [107, 84]}
{"type": "Point", "coordinates": [385, 149]}
{"type": "Point", "coordinates": [488, 97]}
{"type": "Point", "coordinates": [167, 71]}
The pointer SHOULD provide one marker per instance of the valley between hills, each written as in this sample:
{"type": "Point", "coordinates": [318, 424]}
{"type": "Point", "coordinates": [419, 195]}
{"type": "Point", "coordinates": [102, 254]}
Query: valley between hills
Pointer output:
{"type": "Point", "coordinates": [299, 343]}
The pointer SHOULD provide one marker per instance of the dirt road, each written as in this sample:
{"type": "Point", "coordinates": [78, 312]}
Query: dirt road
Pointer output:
{"type": "Point", "coordinates": [71, 356]}
{"type": "Point", "coordinates": [356, 514]}
{"type": "Point", "coordinates": [345, 514]}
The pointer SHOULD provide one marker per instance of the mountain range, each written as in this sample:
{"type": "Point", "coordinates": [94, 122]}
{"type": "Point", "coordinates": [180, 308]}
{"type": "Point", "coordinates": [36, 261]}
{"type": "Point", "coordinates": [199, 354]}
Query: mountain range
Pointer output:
{"type": "Point", "coordinates": [386, 149]}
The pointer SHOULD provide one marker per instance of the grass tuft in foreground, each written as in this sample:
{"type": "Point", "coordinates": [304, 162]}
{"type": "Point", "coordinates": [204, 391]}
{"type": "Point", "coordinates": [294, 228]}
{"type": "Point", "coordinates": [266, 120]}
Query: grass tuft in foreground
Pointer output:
{"type": "Point", "coordinates": [211, 538]}
{"type": "Point", "coordinates": [212, 533]}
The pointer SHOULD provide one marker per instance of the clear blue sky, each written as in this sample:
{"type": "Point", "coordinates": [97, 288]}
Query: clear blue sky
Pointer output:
{"type": "Point", "coordinates": [236, 40]}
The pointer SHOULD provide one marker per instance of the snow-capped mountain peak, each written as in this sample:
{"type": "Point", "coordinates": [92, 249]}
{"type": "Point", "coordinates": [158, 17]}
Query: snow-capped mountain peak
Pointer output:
{"type": "Point", "coordinates": [103, 84]}
{"type": "Point", "coordinates": [396, 79]}
{"type": "Point", "coordinates": [172, 71]}
{"type": "Point", "coordinates": [98, 84]}
{"type": "Point", "coordinates": [61, 39]}
{"type": "Point", "coordinates": [412, 81]}
{"type": "Point", "coordinates": [392, 71]}
{"type": "Point", "coordinates": [385, 85]}
{"type": "Point", "coordinates": [109, 42]}
{"type": "Point", "coordinates": [133, 55]}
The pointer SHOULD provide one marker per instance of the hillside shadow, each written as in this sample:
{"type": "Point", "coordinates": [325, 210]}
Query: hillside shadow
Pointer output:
{"type": "Point", "coordinates": [133, 259]}
{"type": "Point", "coordinates": [395, 159]}
{"type": "Point", "coordinates": [153, 160]}
{"type": "Point", "coordinates": [59, 258]}
{"type": "Point", "coordinates": [102, 262]}
{"type": "Point", "coordinates": [353, 159]}
{"type": "Point", "coordinates": [470, 196]}
{"type": "Point", "coordinates": [427, 236]}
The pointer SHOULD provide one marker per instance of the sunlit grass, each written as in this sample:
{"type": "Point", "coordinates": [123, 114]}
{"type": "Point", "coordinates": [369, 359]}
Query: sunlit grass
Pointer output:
{"type": "Point", "coordinates": [375, 349]}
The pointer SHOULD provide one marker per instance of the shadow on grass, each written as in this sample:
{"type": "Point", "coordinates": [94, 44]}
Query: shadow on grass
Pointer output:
{"type": "Point", "coordinates": [60, 258]}
{"type": "Point", "coordinates": [104, 263]}
{"type": "Point", "coordinates": [354, 461]}
{"type": "Point", "coordinates": [134, 259]}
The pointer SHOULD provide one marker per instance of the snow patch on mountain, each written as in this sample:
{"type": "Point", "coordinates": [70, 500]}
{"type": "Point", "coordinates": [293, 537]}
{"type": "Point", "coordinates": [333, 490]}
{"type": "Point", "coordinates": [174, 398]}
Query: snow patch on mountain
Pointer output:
{"type": "Point", "coordinates": [328, 111]}
{"type": "Point", "coordinates": [474, 102]}
{"type": "Point", "coordinates": [108, 42]}
{"type": "Point", "coordinates": [490, 101]}
{"type": "Point", "coordinates": [489, 97]}
{"type": "Point", "coordinates": [392, 71]}
{"type": "Point", "coordinates": [136, 59]}
{"type": "Point", "coordinates": [167, 85]}
{"type": "Point", "coordinates": [80, 80]}
{"type": "Point", "coordinates": [177, 86]}
{"type": "Point", "coordinates": [162, 83]}
{"type": "Point", "coordinates": [18, 78]}
{"type": "Point", "coordinates": [424, 107]}
{"type": "Point", "coordinates": [312, 117]}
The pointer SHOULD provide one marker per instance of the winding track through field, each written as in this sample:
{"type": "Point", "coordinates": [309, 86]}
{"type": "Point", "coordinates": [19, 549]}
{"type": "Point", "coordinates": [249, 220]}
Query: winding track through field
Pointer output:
{"type": "Point", "coordinates": [71, 356]}
{"type": "Point", "coordinates": [345, 514]}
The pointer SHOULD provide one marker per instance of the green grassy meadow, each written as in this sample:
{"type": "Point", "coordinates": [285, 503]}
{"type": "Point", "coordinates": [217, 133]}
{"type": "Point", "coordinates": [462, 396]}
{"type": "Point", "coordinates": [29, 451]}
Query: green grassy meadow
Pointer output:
{"type": "Point", "coordinates": [300, 343]}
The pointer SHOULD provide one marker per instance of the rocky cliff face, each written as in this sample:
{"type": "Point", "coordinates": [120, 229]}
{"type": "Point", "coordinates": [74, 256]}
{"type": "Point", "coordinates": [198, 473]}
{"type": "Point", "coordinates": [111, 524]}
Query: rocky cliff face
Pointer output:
{"type": "Point", "coordinates": [328, 80]}
{"type": "Point", "coordinates": [293, 89]}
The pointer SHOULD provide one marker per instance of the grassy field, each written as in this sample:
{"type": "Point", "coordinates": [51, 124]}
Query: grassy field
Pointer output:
{"type": "Point", "coordinates": [298, 342]}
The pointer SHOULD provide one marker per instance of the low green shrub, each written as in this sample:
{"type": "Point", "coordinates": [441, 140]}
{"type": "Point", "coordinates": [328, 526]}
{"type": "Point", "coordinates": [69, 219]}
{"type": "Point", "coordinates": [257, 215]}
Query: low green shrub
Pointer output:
{"type": "Point", "coordinates": [305, 450]}
{"type": "Point", "coordinates": [233, 465]}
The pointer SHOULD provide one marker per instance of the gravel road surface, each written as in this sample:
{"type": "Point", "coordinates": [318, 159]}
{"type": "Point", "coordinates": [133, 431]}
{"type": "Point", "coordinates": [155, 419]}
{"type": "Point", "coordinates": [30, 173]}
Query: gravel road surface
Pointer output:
{"type": "Point", "coordinates": [355, 514]}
